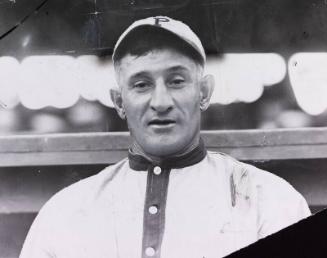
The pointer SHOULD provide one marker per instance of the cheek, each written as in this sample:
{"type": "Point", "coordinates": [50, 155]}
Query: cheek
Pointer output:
{"type": "Point", "coordinates": [190, 102]}
{"type": "Point", "coordinates": [128, 102]}
{"type": "Point", "coordinates": [135, 107]}
{"type": "Point", "coordinates": [193, 109]}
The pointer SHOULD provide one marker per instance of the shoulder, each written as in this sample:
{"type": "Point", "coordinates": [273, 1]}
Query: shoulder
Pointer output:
{"type": "Point", "coordinates": [84, 192]}
{"type": "Point", "coordinates": [277, 202]}
{"type": "Point", "coordinates": [243, 173]}
{"type": "Point", "coordinates": [70, 208]}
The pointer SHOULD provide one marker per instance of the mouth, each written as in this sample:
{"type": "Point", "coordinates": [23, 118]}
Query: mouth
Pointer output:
{"type": "Point", "coordinates": [162, 122]}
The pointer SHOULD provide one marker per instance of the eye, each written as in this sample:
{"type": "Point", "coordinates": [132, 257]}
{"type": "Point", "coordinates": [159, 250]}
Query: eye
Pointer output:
{"type": "Point", "coordinates": [141, 85]}
{"type": "Point", "coordinates": [177, 81]}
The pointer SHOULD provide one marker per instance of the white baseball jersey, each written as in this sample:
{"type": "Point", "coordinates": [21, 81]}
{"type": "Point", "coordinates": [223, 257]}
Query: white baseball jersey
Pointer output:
{"type": "Point", "coordinates": [203, 204]}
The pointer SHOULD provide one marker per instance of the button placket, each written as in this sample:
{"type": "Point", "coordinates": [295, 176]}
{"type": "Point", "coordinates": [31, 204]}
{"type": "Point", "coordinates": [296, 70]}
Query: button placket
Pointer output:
{"type": "Point", "coordinates": [154, 211]}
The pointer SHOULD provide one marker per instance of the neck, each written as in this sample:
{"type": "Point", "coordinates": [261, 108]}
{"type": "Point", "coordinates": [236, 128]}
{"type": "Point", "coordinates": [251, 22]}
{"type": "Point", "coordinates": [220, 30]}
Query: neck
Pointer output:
{"type": "Point", "coordinates": [137, 149]}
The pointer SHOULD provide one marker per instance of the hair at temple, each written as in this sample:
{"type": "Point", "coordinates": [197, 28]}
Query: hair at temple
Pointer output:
{"type": "Point", "coordinates": [147, 38]}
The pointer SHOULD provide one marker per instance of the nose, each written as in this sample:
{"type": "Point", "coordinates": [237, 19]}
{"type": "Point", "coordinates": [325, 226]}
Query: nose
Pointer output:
{"type": "Point", "coordinates": [161, 99]}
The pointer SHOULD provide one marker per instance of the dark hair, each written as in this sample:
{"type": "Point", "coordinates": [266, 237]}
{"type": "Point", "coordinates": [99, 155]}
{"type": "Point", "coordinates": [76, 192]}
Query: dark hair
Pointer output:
{"type": "Point", "coordinates": [143, 39]}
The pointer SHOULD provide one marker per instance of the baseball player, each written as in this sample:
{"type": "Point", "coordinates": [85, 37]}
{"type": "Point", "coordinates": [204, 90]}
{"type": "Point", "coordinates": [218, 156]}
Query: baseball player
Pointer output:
{"type": "Point", "coordinates": [170, 197]}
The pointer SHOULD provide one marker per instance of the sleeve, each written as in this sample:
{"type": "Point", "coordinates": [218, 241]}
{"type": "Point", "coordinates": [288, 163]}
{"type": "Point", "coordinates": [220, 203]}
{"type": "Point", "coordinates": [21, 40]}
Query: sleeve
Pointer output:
{"type": "Point", "coordinates": [279, 204]}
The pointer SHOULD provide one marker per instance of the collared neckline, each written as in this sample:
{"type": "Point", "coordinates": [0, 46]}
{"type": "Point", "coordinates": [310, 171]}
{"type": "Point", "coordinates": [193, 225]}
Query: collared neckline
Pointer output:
{"type": "Point", "coordinates": [140, 163]}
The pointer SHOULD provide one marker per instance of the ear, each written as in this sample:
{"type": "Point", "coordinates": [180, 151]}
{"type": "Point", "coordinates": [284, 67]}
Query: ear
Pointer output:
{"type": "Point", "coordinates": [206, 89]}
{"type": "Point", "coordinates": [117, 100]}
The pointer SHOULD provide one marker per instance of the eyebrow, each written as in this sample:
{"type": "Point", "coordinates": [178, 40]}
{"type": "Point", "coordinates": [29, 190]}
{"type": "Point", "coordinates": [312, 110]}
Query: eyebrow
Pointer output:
{"type": "Point", "coordinates": [143, 73]}
{"type": "Point", "coordinates": [170, 69]}
{"type": "Point", "coordinates": [177, 68]}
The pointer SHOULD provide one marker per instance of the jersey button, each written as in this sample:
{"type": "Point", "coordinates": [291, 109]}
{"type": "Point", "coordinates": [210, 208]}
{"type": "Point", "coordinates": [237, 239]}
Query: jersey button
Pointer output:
{"type": "Point", "coordinates": [153, 209]}
{"type": "Point", "coordinates": [157, 170]}
{"type": "Point", "coordinates": [149, 251]}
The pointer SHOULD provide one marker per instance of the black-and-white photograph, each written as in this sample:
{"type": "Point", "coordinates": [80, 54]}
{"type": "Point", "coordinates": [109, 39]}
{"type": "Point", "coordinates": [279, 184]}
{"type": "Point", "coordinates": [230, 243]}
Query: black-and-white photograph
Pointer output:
{"type": "Point", "coordinates": [160, 128]}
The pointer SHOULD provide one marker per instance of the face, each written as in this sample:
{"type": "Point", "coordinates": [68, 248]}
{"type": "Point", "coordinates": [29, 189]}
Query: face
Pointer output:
{"type": "Point", "coordinates": [160, 94]}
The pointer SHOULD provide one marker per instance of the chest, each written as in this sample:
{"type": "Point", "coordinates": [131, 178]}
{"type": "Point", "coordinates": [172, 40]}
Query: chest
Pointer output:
{"type": "Point", "coordinates": [199, 221]}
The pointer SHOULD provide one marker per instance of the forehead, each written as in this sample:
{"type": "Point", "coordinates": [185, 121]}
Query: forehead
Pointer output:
{"type": "Point", "coordinates": [155, 61]}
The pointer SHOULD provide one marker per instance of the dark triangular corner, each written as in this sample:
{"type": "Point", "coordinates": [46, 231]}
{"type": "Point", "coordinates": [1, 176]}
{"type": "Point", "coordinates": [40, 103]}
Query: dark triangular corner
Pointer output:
{"type": "Point", "coordinates": [305, 239]}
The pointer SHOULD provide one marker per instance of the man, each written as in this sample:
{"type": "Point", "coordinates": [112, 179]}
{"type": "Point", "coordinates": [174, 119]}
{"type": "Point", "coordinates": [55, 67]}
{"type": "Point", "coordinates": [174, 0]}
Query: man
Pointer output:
{"type": "Point", "coordinates": [171, 197]}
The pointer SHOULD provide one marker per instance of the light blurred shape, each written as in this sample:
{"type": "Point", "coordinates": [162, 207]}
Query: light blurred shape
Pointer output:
{"type": "Point", "coordinates": [242, 77]}
{"type": "Point", "coordinates": [59, 81]}
{"type": "Point", "coordinates": [47, 123]}
{"type": "Point", "coordinates": [85, 113]}
{"type": "Point", "coordinates": [308, 77]}
{"type": "Point", "coordinates": [9, 74]}
{"type": "Point", "coordinates": [26, 41]}
{"type": "Point", "coordinates": [96, 77]}
{"type": "Point", "coordinates": [293, 119]}
{"type": "Point", "coordinates": [9, 121]}
{"type": "Point", "coordinates": [48, 81]}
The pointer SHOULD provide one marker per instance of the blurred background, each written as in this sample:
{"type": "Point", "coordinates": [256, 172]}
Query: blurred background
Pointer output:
{"type": "Point", "coordinates": [269, 60]}
{"type": "Point", "coordinates": [268, 57]}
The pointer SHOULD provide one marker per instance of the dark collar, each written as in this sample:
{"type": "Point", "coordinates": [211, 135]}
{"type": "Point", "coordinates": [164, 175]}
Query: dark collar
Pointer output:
{"type": "Point", "coordinates": [138, 162]}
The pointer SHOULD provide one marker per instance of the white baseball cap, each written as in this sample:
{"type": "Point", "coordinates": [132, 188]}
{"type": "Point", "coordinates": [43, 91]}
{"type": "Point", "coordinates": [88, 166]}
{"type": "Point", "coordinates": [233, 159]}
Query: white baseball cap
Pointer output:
{"type": "Point", "coordinates": [178, 28]}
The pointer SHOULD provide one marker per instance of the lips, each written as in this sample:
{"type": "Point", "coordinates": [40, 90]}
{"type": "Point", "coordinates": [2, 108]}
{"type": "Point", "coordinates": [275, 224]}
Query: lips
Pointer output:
{"type": "Point", "coordinates": [162, 122]}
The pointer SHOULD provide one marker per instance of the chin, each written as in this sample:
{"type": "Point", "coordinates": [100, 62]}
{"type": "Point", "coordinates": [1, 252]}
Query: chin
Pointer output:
{"type": "Point", "coordinates": [164, 148]}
